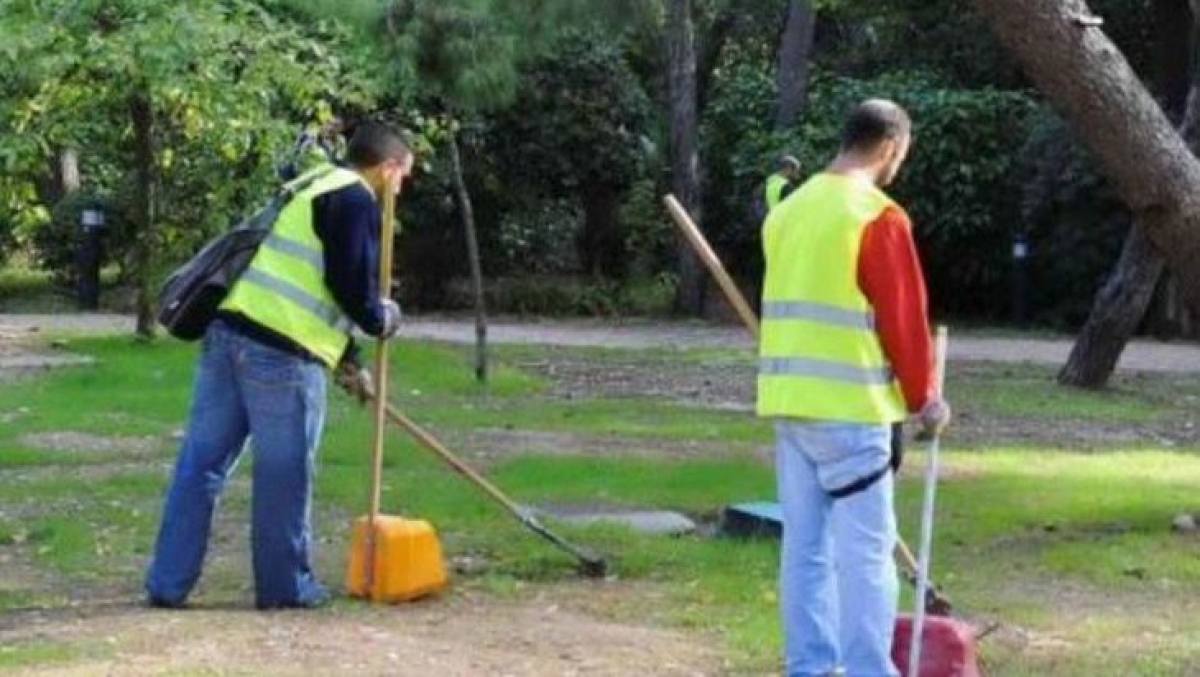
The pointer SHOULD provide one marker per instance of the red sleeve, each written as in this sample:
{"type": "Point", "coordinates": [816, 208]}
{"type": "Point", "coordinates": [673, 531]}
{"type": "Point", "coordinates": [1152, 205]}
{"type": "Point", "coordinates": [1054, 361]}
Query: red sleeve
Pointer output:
{"type": "Point", "coordinates": [889, 274]}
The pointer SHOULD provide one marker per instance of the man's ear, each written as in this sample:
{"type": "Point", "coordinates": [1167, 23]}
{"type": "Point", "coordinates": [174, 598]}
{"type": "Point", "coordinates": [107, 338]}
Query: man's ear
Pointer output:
{"type": "Point", "coordinates": [888, 150]}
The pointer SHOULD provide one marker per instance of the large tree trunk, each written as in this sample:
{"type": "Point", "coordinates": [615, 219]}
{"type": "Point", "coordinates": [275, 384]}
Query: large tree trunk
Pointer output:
{"type": "Point", "coordinates": [1116, 313]}
{"type": "Point", "coordinates": [685, 158]}
{"type": "Point", "coordinates": [601, 245]}
{"type": "Point", "coordinates": [1121, 305]}
{"type": "Point", "coordinates": [141, 114]}
{"type": "Point", "coordinates": [792, 76]}
{"type": "Point", "coordinates": [1077, 67]}
{"type": "Point", "coordinates": [468, 222]}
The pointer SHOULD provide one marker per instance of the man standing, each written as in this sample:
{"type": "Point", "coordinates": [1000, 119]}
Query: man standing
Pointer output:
{"type": "Point", "coordinates": [782, 182]}
{"type": "Point", "coordinates": [845, 353]}
{"type": "Point", "coordinates": [261, 375]}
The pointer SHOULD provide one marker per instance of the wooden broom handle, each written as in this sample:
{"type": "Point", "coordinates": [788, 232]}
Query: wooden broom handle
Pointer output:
{"type": "Point", "coordinates": [386, 237]}
{"type": "Point", "coordinates": [714, 265]}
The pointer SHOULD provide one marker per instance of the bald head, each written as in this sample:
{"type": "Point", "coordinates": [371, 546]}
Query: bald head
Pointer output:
{"type": "Point", "coordinates": [872, 123]}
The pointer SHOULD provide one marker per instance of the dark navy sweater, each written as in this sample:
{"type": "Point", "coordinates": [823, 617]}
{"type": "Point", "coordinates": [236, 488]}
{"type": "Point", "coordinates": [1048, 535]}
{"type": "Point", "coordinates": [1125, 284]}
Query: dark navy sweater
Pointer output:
{"type": "Point", "coordinates": [347, 223]}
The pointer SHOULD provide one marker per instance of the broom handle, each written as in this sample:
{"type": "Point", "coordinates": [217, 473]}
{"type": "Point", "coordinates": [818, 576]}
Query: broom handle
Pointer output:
{"type": "Point", "coordinates": [714, 265]}
{"type": "Point", "coordinates": [387, 230]}
{"type": "Point", "coordinates": [431, 443]}
{"type": "Point", "coordinates": [931, 474]}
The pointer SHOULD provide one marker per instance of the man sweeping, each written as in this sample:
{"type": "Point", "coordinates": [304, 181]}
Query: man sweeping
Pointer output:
{"type": "Point", "coordinates": [845, 352]}
{"type": "Point", "coordinates": [261, 375]}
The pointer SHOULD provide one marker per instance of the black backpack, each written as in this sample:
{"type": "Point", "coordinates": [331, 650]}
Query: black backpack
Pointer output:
{"type": "Point", "coordinates": [190, 296]}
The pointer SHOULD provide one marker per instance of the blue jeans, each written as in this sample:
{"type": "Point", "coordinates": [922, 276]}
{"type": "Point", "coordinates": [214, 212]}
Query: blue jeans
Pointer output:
{"type": "Point", "coordinates": [838, 585]}
{"type": "Point", "coordinates": [243, 389]}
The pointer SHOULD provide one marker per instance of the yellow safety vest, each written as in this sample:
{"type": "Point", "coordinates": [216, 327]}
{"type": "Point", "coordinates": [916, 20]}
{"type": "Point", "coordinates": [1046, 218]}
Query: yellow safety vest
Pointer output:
{"type": "Point", "coordinates": [819, 355]}
{"type": "Point", "coordinates": [284, 288]}
{"type": "Point", "coordinates": [775, 185]}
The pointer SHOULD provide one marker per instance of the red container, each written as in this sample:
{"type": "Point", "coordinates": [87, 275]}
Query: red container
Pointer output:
{"type": "Point", "coordinates": [947, 648]}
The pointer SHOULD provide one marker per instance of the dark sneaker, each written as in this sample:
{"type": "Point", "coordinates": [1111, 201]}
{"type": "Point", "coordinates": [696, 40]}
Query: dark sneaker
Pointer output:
{"type": "Point", "coordinates": [160, 603]}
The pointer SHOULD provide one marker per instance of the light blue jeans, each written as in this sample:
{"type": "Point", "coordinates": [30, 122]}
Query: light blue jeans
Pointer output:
{"type": "Point", "coordinates": [838, 585]}
{"type": "Point", "coordinates": [242, 389]}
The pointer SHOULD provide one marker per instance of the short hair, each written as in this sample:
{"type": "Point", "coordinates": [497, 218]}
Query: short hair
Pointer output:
{"type": "Point", "coordinates": [789, 162]}
{"type": "Point", "coordinates": [874, 121]}
{"type": "Point", "coordinates": [374, 143]}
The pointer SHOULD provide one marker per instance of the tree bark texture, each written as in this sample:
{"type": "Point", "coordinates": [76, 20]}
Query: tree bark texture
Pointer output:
{"type": "Point", "coordinates": [685, 158]}
{"type": "Point", "coordinates": [1121, 304]}
{"type": "Point", "coordinates": [68, 171]}
{"type": "Point", "coordinates": [468, 223]}
{"type": "Point", "coordinates": [1116, 313]}
{"type": "Point", "coordinates": [1063, 49]}
{"type": "Point", "coordinates": [141, 114]}
{"type": "Point", "coordinates": [601, 244]}
{"type": "Point", "coordinates": [792, 75]}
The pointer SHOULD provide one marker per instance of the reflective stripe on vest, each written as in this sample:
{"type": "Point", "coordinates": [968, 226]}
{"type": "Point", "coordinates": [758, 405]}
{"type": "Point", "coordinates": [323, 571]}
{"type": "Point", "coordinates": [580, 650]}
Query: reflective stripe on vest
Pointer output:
{"type": "Point", "coordinates": [819, 355]}
{"type": "Point", "coordinates": [284, 288]}
{"type": "Point", "coordinates": [818, 312]}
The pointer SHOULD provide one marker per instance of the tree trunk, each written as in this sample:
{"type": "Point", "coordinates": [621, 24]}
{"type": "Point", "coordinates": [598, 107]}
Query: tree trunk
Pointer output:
{"type": "Point", "coordinates": [601, 245]}
{"type": "Point", "coordinates": [68, 171]}
{"type": "Point", "coordinates": [1116, 313]}
{"type": "Point", "coordinates": [792, 77]}
{"type": "Point", "coordinates": [1077, 67]}
{"type": "Point", "coordinates": [1122, 303]}
{"type": "Point", "coordinates": [141, 113]}
{"type": "Point", "coordinates": [468, 223]}
{"type": "Point", "coordinates": [708, 52]}
{"type": "Point", "coordinates": [685, 159]}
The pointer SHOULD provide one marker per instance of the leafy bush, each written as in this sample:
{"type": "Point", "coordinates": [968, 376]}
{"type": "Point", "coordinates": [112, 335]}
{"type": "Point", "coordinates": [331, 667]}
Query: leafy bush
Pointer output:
{"type": "Point", "coordinates": [958, 184]}
{"type": "Point", "coordinates": [541, 240]}
{"type": "Point", "coordinates": [1076, 223]}
{"type": "Point", "coordinates": [56, 244]}
{"type": "Point", "coordinates": [565, 295]}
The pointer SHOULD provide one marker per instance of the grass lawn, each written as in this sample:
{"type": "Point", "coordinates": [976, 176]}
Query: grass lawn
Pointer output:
{"type": "Point", "coordinates": [1072, 552]}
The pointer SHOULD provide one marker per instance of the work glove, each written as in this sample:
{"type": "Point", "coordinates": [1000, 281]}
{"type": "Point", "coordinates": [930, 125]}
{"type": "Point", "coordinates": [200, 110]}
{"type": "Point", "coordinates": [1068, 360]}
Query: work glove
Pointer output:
{"type": "Point", "coordinates": [355, 380]}
{"type": "Point", "coordinates": [933, 417]}
{"type": "Point", "coordinates": [391, 318]}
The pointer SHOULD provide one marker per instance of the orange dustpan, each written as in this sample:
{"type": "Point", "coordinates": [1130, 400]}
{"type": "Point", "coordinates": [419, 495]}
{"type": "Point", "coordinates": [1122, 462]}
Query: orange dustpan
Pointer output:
{"type": "Point", "coordinates": [392, 559]}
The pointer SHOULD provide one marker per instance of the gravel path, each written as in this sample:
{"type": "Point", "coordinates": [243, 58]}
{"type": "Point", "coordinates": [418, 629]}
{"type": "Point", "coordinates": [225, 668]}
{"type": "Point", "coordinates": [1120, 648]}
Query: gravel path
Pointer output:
{"type": "Point", "coordinates": [1139, 356]}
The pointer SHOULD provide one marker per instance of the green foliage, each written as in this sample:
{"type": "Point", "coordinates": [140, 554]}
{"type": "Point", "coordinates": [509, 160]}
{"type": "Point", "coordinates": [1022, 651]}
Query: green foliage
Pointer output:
{"type": "Point", "coordinates": [567, 295]}
{"type": "Point", "coordinates": [533, 242]}
{"type": "Point", "coordinates": [1076, 222]}
{"type": "Point", "coordinates": [457, 50]}
{"type": "Point", "coordinates": [54, 245]}
{"type": "Point", "coordinates": [227, 82]}
{"type": "Point", "coordinates": [958, 184]}
{"type": "Point", "coordinates": [579, 119]}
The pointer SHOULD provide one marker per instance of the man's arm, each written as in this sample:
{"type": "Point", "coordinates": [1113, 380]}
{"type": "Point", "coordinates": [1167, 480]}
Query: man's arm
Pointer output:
{"type": "Point", "coordinates": [347, 223]}
{"type": "Point", "coordinates": [889, 274]}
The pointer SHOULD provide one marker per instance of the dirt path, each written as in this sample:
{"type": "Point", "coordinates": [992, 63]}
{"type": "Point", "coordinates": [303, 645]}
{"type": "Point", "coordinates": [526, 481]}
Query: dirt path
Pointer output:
{"type": "Point", "coordinates": [1139, 356]}
{"type": "Point", "coordinates": [554, 632]}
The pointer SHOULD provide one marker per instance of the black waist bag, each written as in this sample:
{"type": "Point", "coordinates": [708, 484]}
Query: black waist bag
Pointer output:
{"type": "Point", "coordinates": [190, 296]}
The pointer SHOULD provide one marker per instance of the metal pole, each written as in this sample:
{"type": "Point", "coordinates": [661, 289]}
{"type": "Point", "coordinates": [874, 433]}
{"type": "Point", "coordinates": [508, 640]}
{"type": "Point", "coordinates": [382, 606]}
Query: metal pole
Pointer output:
{"type": "Point", "coordinates": [931, 474]}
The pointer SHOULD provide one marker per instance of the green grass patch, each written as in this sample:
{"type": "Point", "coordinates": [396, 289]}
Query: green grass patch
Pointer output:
{"type": "Point", "coordinates": [27, 654]}
{"type": "Point", "coordinates": [1030, 391]}
{"type": "Point", "coordinates": [1016, 526]}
